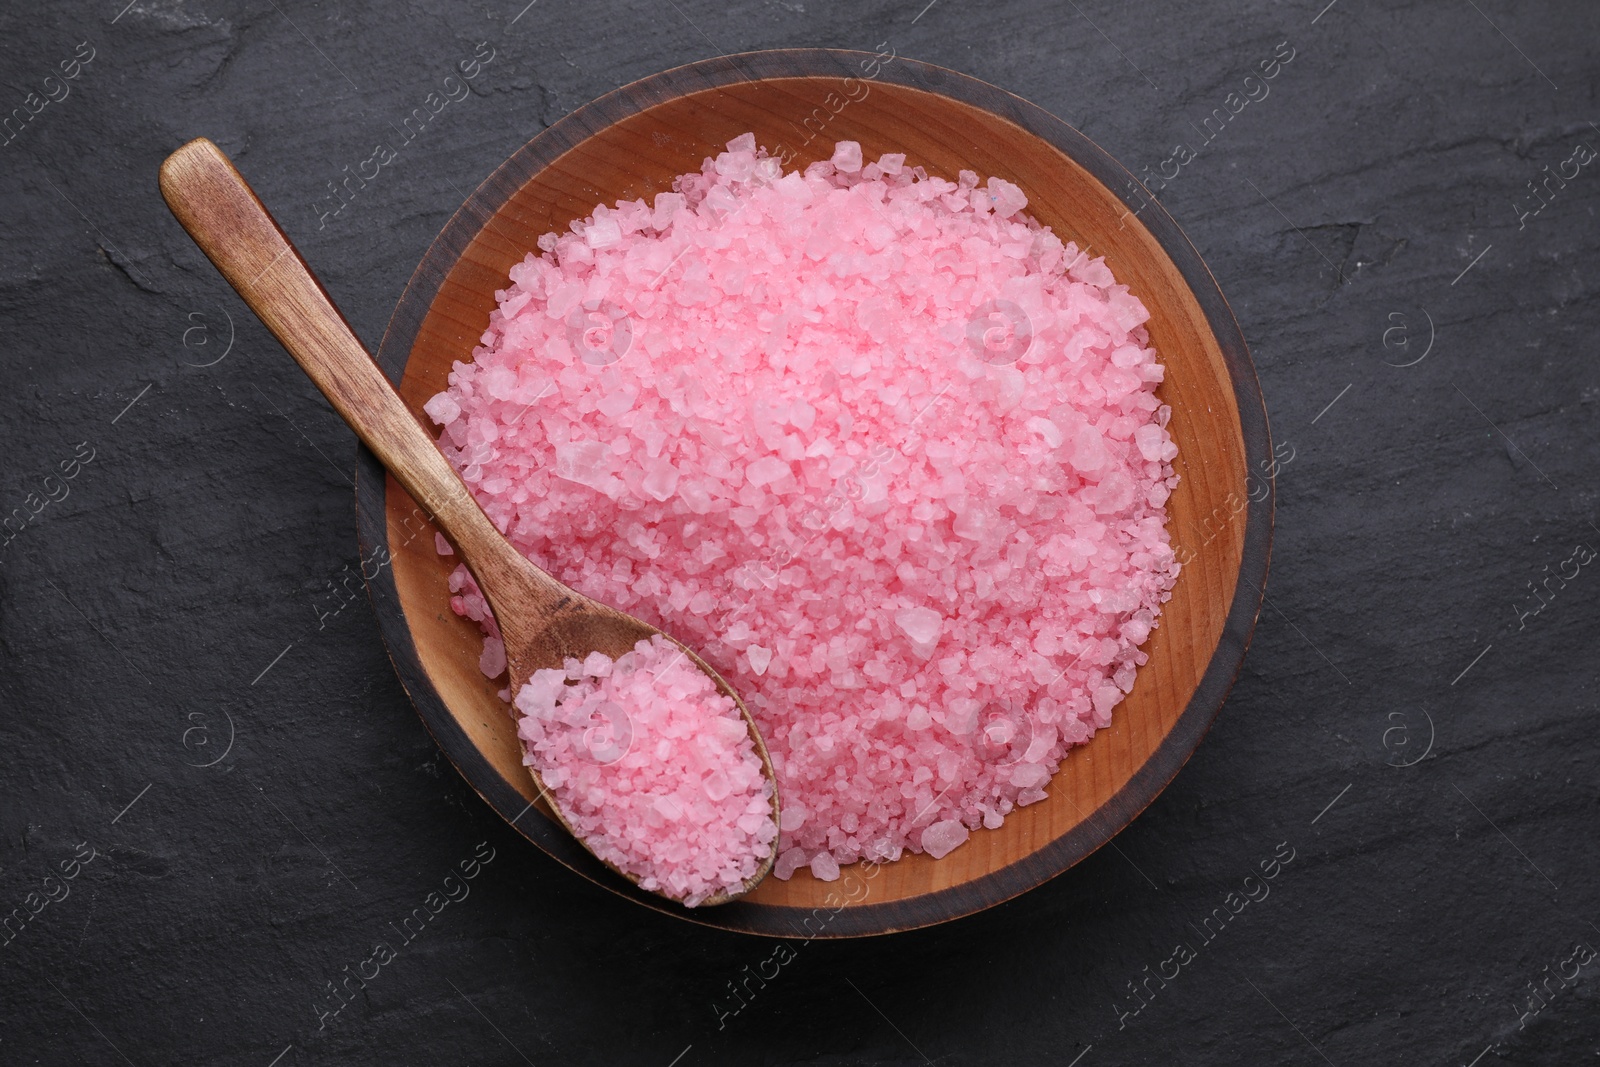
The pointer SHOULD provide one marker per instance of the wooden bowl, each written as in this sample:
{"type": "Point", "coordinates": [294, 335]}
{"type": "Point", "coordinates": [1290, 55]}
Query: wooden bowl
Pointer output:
{"type": "Point", "coordinates": [630, 144]}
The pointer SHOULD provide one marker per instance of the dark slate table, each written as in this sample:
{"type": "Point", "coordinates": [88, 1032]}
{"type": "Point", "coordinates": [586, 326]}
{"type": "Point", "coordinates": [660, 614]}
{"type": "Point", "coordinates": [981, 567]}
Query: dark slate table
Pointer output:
{"type": "Point", "coordinates": [1413, 725]}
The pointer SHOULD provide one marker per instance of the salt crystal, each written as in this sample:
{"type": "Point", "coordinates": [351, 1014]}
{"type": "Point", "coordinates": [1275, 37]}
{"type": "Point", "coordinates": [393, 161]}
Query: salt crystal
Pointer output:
{"type": "Point", "coordinates": [766, 470]}
{"type": "Point", "coordinates": [944, 837]}
{"type": "Point", "coordinates": [661, 481]}
{"type": "Point", "coordinates": [922, 625]}
{"type": "Point", "coordinates": [442, 409]}
{"type": "Point", "coordinates": [1127, 310]}
{"type": "Point", "coordinates": [1105, 698]}
{"type": "Point", "coordinates": [1088, 450]}
{"type": "Point", "coordinates": [493, 661]}
{"type": "Point", "coordinates": [669, 808]}
{"type": "Point", "coordinates": [847, 157]}
{"type": "Point", "coordinates": [1046, 429]}
{"type": "Point", "coordinates": [603, 233]}
{"type": "Point", "coordinates": [1149, 439]}
{"type": "Point", "coordinates": [824, 867]}
{"type": "Point", "coordinates": [1114, 493]}
{"type": "Point", "coordinates": [585, 462]}
{"type": "Point", "coordinates": [961, 715]}
{"type": "Point", "coordinates": [788, 862]}
{"type": "Point", "coordinates": [1029, 775]}
{"type": "Point", "coordinates": [1007, 198]}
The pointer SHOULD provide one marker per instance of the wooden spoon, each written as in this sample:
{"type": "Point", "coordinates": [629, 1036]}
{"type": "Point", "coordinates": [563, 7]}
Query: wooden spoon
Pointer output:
{"type": "Point", "coordinates": [541, 620]}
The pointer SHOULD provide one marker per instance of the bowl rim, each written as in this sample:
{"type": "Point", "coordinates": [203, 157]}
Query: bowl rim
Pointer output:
{"type": "Point", "coordinates": [936, 906]}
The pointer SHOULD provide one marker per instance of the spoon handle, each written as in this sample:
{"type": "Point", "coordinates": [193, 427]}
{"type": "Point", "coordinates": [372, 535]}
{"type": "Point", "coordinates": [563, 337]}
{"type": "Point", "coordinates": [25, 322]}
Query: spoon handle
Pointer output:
{"type": "Point", "coordinates": [236, 232]}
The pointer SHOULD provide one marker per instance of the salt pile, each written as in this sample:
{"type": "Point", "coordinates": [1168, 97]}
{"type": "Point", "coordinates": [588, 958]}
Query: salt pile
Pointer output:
{"type": "Point", "coordinates": [880, 447]}
{"type": "Point", "coordinates": [653, 767]}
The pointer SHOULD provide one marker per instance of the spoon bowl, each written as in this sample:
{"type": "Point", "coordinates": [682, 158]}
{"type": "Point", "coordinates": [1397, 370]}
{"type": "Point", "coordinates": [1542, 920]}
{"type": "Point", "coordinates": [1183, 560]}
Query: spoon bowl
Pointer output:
{"type": "Point", "coordinates": [542, 622]}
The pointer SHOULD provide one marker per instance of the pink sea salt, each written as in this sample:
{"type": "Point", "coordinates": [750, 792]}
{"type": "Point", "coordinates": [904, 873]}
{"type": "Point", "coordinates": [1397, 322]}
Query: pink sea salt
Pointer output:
{"type": "Point", "coordinates": [882, 448]}
{"type": "Point", "coordinates": [943, 838]}
{"type": "Point", "coordinates": [652, 766]}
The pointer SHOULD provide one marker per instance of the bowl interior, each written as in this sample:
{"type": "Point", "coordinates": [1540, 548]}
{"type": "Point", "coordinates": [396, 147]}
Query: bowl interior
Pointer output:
{"type": "Point", "coordinates": [634, 149]}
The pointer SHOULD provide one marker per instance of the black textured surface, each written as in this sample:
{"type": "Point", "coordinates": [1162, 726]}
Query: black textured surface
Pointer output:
{"type": "Point", "coordinates": [206, 539]}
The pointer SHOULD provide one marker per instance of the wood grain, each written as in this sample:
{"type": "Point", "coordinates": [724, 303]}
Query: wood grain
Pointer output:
{"type": "Point", "coordinates": [631, 144]}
